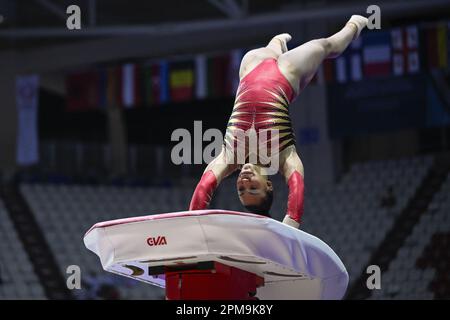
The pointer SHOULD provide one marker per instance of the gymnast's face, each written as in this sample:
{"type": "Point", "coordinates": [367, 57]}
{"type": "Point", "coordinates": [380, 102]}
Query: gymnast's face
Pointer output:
{"type": "Point", "coordinates": [252, 185]}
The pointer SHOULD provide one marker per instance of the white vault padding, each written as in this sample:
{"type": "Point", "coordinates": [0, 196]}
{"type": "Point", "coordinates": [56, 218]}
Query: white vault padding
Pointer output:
{"type": "Point", "coordinates": [293, 263]}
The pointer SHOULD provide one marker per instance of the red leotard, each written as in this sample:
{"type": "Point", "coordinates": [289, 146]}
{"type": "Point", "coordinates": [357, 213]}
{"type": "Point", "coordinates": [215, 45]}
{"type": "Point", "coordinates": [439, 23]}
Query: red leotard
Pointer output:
{"type": "Point", "coordinates": [262, 102]}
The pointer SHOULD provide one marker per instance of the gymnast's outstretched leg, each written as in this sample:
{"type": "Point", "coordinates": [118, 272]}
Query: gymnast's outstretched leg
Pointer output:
{"type": "Point", "coordinates": [300, 64]}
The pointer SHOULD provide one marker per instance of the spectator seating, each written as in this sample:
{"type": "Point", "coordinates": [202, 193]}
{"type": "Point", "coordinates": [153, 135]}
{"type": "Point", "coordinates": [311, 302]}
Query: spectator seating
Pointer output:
{"type": "Point", "coordinates": [348, 215]}
{"type": "Point", "coordinates": [420, 269]}
{"type": "Point", "coordinates": [17, 277]}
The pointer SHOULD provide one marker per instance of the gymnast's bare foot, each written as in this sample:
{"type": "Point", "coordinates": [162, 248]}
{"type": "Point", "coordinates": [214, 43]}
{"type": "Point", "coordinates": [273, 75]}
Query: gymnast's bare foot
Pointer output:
{"type": "Point", "coordinates": [284, 38]}
{"type": "Point", "coordinates": [359, 22]}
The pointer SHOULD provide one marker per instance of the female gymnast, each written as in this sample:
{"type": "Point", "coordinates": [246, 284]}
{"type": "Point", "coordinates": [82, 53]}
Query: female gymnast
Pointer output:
{"type": "Point", "coordinates": [270, 79]}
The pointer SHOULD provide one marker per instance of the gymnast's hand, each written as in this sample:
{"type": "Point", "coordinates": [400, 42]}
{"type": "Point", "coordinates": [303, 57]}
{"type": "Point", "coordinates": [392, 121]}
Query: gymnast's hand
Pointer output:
{"type": "Point", "coordinates": [216, 170]}
{"type": "Point", "coordinates": [292, 170]}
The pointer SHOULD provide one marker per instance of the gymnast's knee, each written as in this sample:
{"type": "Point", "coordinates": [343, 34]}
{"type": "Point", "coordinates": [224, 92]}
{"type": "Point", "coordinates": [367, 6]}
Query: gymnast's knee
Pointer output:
{"type": "Point", "coordinates": [324, 45]}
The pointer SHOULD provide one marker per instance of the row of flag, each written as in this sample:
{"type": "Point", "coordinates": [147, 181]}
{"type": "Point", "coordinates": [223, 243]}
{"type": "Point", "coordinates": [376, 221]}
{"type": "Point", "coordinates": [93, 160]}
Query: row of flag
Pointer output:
{"type": "Point", "coordinates": [132, 85]}
{"type": "Point", "coordinates": [394, 52]}
{"type": "Point", "coordinates": [376, 53]}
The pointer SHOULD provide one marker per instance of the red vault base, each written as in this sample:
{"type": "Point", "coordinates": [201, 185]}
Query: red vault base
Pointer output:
{"type": "Point", "coordinates": [216, 281]}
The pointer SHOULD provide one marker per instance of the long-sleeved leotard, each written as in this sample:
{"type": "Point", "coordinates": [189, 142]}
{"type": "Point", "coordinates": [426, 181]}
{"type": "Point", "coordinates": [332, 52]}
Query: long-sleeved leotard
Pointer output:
{"type": "Point", "coordinates": [262, 103]}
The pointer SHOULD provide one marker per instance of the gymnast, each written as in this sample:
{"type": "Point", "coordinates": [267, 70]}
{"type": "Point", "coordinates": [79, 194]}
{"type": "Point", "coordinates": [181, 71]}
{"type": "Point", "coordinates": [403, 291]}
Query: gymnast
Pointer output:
{"type": "Point", "coordinates": [270, 79]}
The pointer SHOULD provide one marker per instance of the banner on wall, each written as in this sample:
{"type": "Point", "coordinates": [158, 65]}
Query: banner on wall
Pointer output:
{"type": "Point", "coordinates": [387, 53]}
{"type": "Point", "coordinates": [27, 100]}
{"type": "Point", "coordinates": [376, 105]}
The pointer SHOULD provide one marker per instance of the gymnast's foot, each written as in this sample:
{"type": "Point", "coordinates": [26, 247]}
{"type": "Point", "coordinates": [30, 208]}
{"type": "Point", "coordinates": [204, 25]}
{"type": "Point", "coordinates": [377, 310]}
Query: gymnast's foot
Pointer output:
{"type": "Point", "coordinates": [284, 38]}
{"type": "Point", "coordinates": [360, 22]}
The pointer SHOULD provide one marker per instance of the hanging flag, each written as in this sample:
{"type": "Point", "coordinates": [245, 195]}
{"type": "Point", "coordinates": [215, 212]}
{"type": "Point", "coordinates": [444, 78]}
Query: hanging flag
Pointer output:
{"type": "Point", "coordinates": [376, 54]}
{"type": "Point", "coordinates": [83, 91]}
{"type": "Point", "coordinates": [201, 79]}
{"type": "Point", "coordinates": [327, 69]}
{"type": "Point", "coordinates": [355, 53]}
{"type": "Point", "coordinates": [349, 64]}
{"type": "Point", "coordinates": [103, 87]}
{"type": "Point", "coordinates": [164, 94]}
{"type": "Point", "coordinates": [27, 101]}
{"type": "Point", "coordinates": [405, 50]}
{"type": "Point", "coordinates": [156, 83]}
{"type": "Point", "coordinates": [356, 67]}
{"type": "Point", "coordinates": [437, 44]}
{"type": "Point", "coordinates": [398, 63]}
{"type": "Point", "coordinates": [113, 77]}
{"type": "Point", "coordinates": [128, 85]}
{"type": "Point", "coordinates": [341, 69]}
{"type": "Point", "coordinates": [131, 85]}
{"type": "Point", "coordinates": [147, 96]}
{"type": "Point", "coordinates": [181, 80]}
{"type": "Point", "coordinates": [236, 56]}
{"type": "Point", "coordinates": [218, 66]}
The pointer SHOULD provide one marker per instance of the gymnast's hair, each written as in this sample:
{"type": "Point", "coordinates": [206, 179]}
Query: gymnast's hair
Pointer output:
{"type": "Point", "coordinates": [264, 207]}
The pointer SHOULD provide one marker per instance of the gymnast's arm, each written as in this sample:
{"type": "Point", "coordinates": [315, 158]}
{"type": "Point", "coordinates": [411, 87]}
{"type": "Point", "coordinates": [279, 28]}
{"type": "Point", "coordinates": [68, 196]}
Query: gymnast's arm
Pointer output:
{"type": "Point", "coordinates": [216, 170]}
{"type": "Point", "coordinates": [292, 170]}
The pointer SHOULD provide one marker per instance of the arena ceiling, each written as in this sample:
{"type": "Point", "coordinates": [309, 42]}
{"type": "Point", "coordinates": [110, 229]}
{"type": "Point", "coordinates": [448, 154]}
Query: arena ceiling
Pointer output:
{"type": "Point", "coordinates": [36, 14]}
{"type": "Point", "coordinates": [45, 13]}
{"type": "Point", "coordinates": [190, 24]}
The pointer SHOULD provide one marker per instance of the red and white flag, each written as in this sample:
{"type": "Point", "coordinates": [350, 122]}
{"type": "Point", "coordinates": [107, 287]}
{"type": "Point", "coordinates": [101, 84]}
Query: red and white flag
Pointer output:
{"type": "Point", "coordinates": [405, 46]}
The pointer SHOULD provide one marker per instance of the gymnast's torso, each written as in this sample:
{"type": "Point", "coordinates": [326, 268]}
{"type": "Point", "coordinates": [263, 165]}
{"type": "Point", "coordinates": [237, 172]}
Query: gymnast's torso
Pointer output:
{"type": "Point", "coordinates": [261, 106]}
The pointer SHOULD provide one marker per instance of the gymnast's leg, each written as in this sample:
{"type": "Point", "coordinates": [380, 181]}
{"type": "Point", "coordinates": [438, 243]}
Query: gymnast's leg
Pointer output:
{"type": "Point", "coordinates": [300, 64]}
{"type": "Point", "coordinates": [276, 47]}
